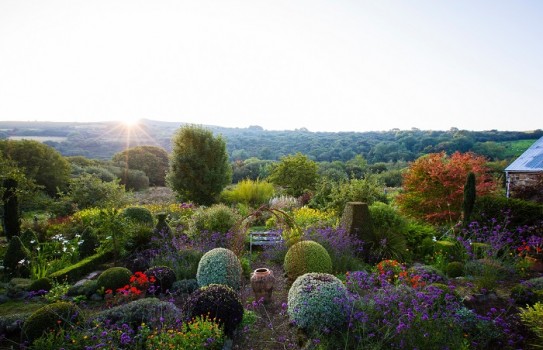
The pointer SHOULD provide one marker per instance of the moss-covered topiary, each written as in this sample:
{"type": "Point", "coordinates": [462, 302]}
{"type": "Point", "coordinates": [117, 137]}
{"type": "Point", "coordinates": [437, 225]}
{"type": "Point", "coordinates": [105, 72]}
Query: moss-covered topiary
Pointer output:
{"type": "Point", "coordinates": [219, 266]}
{"type": "Point", "coordinates": [17, 258]}
{"type": "Point", "coordinates": [138, 214]}
{"type": "Point", "coordinates": [41, 284]}
{"type": "Point", "coordinates": [51, 317]}
{"type": "Point", "coordinates": [455, 269]}
{"type": "Point", "coordinates": [318, 302]}
{"type": "Point", "coordinates": [306, 256]}
{"type": "Point", "coordinates": [218, 301]}
{"type": "Point", "coordinates": [74, 272]}
{"type": "Point", "coordinates": [164, 278]}
{"type": "Point", "coordinates": [151, 311]}
{"type": "Point", "coordinates": [114, 278]}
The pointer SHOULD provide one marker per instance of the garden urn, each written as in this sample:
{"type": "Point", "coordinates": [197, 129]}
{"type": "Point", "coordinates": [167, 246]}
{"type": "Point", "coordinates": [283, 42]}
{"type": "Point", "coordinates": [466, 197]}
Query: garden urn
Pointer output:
{"type": "Point", "coordinates": [262, 281]}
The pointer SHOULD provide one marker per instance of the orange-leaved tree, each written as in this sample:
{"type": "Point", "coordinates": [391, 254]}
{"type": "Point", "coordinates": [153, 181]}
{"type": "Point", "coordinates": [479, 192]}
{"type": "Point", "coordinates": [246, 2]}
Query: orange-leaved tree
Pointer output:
{"type": "Point", "coordinates": [433, 186]}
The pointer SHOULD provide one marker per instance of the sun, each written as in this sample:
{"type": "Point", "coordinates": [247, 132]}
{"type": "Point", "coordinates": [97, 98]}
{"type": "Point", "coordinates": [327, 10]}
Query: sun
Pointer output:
{"type": "Point", "coordinates": [129, 122]}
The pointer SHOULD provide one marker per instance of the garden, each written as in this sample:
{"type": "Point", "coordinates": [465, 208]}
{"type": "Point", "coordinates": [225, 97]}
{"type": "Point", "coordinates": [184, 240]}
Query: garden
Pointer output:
{"type": "Point", "coordinates": [296, 261]}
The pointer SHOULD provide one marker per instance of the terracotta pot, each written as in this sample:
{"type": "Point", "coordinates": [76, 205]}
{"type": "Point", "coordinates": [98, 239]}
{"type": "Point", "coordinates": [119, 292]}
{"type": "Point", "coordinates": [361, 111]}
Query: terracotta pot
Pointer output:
{"type": "Point", "coordinates": [262, 281]}
{"type": "Point", "coordinates": [536, 264]}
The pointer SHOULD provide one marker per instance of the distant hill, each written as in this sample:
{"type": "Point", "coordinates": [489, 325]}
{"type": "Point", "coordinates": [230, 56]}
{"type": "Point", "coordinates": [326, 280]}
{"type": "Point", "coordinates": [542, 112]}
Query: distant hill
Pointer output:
{"type": "Point", "coordinates": [101, 140]}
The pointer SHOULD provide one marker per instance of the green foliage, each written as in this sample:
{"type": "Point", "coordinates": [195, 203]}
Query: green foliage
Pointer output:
{"type": "Point", "coordinates": [532, 317]}
{"type": "Point", "coordinates": [186, 263]}
{"type": "Point", "coordinates": [219, 266]}
{"type": "Point", "coordinates": [114, 278]}
{"type": "Point", "coordinates": [518, 212]}
{"type": "Point", "coordinates": [134, 180]}
{"type": "Point", "coordinates": [11, 216]}
{"type": "Point", "coordinates": [199, 167]}
{"type": "Point", "coordinates": [162, 228]}
{"type": "Point", "coordinates": [43, 283]}
{"type": "Point", "coordinates": [79, 269]}
{"type": "Point", "coordinates": [455, 269]}
{"type": "Point", "coordinates": [86, 288]}
{"type": "Point", "coordinates": [306, 217]}
{"type": "Point", "coordinates": [151, 160]}
{"type": "Point", "coordinates": [88, 191]}
{"type": "Point", "coordinates": [89, 243]}
{"type": "Point", "coordinates": [528, 292]}
{"type": "Point", "coordinates": [140, 237]}
{"type": "Point", "coordinates": [219, 302]}
{"type": "Point", "coordinates": [17, 258]}
{"type": "Point", "coordinates": [419, 237]}
{"type": "Point", "coordinates": [295, 173]}
{"type": "Point", "coordinates": [217, 218]}
{"type": "Point", "coordinates": [51, 317]}
{"type": "Point", "coordinates": [39, 162]}
{"type": "Point", "coordinates": [304, 257]}
{"type": "Point", "coordinates": [249, 192]}
{"type": "Point", "coordinates": [367, 190]}
{"type": "Point", "coordinates": [201, 332]}
{"type": "Point", "coordinates": [29, 238]}
{"type": "Point", "coordinates": [140, 215]}
{"type": "Point", "coordinates": [164, 276]}
{"type": "Point", "coordinates": [317, 302]}
{"type": "Point", "coordinates": [151, 311]}
{"type": "Point", "coordinates": [57, 292]}
{"type": "Point", "coordinates": [451, 250]}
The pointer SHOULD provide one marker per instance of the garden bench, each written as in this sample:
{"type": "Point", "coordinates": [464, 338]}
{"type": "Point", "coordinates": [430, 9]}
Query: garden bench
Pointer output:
{"type": "Point", "coordinates": [264, 238]}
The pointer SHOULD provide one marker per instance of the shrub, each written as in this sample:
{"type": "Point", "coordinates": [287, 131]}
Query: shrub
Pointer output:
{"type": "Point", "coordinates": [308, 217]}
{"type": "Point", "coordinates": [428, 273]}
{"type": "Point", "coordinates": [221, 266]}
{"type": "Point", "coordinates": [114, 278]}
{"type": "Point", "coordinates": [164, 278]}
{"type": "Point", "coordinates": [217, 218]}
{"type": "Point", "coordinates": [532, 317]}
{"type": "Point", "coordinates": [140, 215]}
{"type": "Point", "coordinates": [201, 332]}
{"type": "Point", "coordinates": [41, 284]}
{"type": "Point", "coordinates": [150, 311]}
{"type": "Point", "coordinates": [87, 265]}
{"type": "Point", "coordinates": [29, 239]}
{"type": "Point", "coordinates": [452, 251]}
{"type": "Point", "coordinates": [306, 256]}
{"type": "Point", "coordinates": [528, 292]}
{"type": "Point", "coordinates": [89, 243]}
{"type": "Point", "coordinates": [185, 286]}
{"type": "Point", "coordinates": [17, 258]}
{"type": "Point", "coordinates": [419, 238]}
{"type": "Point", "coordinates": [51, 317]}
{"type": "Point", "coordinates": [219, 302]}
{"type": "Point", "coordinates": [455, 269]}
{"type": "Point", "coordinates": [162, 228]}
{"type": "Point", "coordinates": [518, 212]}
{"type": "Point", "coordinates": [249, 192]}
{"type": "Point", "coordinates": [316, 302]}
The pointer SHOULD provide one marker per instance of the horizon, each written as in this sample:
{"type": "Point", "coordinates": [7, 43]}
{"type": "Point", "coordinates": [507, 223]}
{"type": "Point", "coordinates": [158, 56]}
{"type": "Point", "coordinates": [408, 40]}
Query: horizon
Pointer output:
{"type": "Point", "coordinates": [324, 66]}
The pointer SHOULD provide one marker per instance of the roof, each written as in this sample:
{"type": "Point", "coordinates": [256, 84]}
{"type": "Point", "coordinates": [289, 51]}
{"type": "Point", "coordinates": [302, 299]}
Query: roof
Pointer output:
{"type": "Point", "coordinates": [529, 161]}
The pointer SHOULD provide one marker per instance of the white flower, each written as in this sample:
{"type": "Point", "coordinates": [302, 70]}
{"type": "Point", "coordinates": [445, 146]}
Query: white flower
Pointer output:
{"type": "Point", "coordinates": [21, 261]}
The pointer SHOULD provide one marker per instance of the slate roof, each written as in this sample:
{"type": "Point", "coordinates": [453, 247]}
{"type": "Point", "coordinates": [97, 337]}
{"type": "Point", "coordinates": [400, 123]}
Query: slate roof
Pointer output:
{"type": "Point", "coordinates": [529, 161]}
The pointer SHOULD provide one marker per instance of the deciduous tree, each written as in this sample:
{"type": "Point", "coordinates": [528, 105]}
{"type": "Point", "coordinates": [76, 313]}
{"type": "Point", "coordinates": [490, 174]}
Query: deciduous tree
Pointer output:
{"type": "Point", "coordinates": [433, 186]}
{"type": "Point", "coordinates": [296, 173]}
{"type": "Point", "coordinates": [152, 160]}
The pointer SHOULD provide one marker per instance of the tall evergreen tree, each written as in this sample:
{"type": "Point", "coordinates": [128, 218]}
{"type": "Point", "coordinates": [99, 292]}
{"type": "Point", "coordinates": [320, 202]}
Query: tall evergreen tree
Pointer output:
{"type": "Point", "coordinates": [469, 198]}
{"type": "Point", "coordinates": [199, 166]}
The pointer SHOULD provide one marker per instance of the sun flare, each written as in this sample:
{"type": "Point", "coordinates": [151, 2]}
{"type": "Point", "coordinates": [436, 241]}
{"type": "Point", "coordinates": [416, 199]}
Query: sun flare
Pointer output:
{"type": "Point", "coordinates": [129, 122]}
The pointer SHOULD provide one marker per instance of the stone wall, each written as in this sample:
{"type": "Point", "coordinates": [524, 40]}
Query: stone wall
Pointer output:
{"type": "Point", "coordinates": [528, 186]}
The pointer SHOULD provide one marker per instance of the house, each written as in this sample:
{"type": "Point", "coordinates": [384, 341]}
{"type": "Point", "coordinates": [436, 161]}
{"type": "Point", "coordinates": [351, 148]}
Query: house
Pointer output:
{"type": "Point", "coordinates": [524, 177]}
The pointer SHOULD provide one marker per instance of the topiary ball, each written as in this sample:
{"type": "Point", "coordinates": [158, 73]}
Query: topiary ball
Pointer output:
{"type": "Point", "coordinates": [218, 301]}
{"type": "Point", "coordinates": [139, 214]}
{"type": "Point", "coordinates": [43, 283]}
{"type": "Point", "coordinates": [455, 269]}
{"type": "Point", "coordinates": [318, 302]}
{"type": "Point", "coordinates": [114, 278]}
{"type": "Point", "coordinates": [51, 317]}
{"type": "Point", "coordinates": [304, 257]}
{"type": "Point", "coordinates": [219, 266]}
{"type": "Point", "coordinates": [164, 278]}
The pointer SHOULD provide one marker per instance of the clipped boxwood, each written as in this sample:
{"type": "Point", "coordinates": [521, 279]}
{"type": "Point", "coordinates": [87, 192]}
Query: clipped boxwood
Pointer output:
{"type": "Point", "coordinates": [139, 214]}
{"type": "Point", "coordinates": [43, 283]}
{"type": "Point", "coordinates": [306, 256]}
{"type": "Point", "coordinates": [318, 302]}
{"type": "Point", "coordinates": [76, 271]}
{"type": "Point", "coordinates": [51, 317]}
{"type": "Point", "coordinates": [219, 266]}
{"type": "Point", "coordinates": [455, 269]}
{"type": "Point", "coordinates": [218, 301]}
{"type": "Point", "coordinates": [114, 278]}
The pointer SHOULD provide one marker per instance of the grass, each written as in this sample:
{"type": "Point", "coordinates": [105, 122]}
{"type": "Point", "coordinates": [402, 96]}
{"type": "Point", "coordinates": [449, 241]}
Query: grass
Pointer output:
{"type": "Point", "coordinates": [513, 149]}
{"type": "Point", "coordinates": [20, 307]}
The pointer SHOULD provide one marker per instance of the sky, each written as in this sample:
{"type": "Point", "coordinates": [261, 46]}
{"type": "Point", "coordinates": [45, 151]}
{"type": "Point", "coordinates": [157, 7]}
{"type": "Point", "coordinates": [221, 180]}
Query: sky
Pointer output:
{"type": "Point", "coordinates": [336, 65]}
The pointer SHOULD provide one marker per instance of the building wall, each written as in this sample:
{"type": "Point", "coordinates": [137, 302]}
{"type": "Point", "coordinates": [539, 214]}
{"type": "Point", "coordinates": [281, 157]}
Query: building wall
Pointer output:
{"type": "Point", "coordinates": [528, 186]}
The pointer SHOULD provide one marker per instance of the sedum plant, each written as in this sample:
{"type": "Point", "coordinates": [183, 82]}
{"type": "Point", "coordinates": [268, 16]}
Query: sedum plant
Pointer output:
{"type": "Point", "coordinates": [316, 302]}
{"type": "Point", "coordinates": [219, 266]}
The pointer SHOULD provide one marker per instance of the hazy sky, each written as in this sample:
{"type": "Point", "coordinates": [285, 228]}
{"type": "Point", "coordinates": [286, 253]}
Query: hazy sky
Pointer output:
{"type": "Point", "coordinates": [332, 65]}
